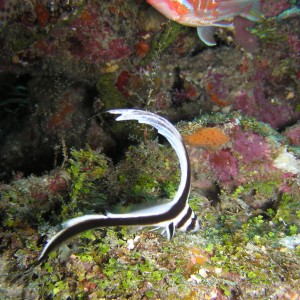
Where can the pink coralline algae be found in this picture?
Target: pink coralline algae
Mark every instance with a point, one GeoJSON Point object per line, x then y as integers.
{"type": "Point", "coordinates": [85, 42]}
{"type": "Point", "coordinates": [84, 36]}
{"type": "Point", "coordinates": [274, 7]}
{"type": "Point", "coordinates": [248, 158]}
{"type": "Point", "coordinates": [251, 146]}
{"type": "Point", "coordinates": [293, 134]}
{"type": "Point", "coordinates": [216, 88]}
{"type": "Point", "coordinates": [294, 43]}
{"type": "Point", "coordinates": [275, 112]}
{"type": "Point", "coordinates": [225, 166]}
{"type": "Point", "coordinates": [249, 154]}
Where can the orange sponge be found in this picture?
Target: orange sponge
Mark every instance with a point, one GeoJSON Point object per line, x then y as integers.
{"type": "Point", "coordinates": [210, 138]}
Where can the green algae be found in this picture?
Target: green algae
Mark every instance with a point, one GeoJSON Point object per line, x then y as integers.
{"type": "Point", "coordinates": [102, 264]}
{"type": "Point", "coordinates": [85, 165]}
{"type": "Point", "coordinates": [110, 95]}
{"type": "Point", "coordinates": [26, 201]}
{"type": "Point", "coordinates": [149, 172]}
{"type": "Point", "coordinates": [265, 189]}
{"type": "Point", "coordinates": [287, 213]}
{"type": "Point", "coordinates": [163, 41]}
{"type": "Point", "coordinates": [117, 273]}
{"type": "Point", "coordinates": [286, 67]}
{"type": "Point", "coordinates": [22, 40]}
{"type": "Point", "coordinates": [243, 250]}
{"type": "Point", "coordinates": [267, 31]}
{"type": "Point", "coordinates": [87, 170]}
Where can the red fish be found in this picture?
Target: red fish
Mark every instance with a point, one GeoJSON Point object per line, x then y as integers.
{"type": "Point", "coordinates": [207, 14]}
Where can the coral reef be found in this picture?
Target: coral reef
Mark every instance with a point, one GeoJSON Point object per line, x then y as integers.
{"type": "Point", "coordinates": [62, 65]}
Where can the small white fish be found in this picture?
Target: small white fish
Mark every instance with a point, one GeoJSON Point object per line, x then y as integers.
{"type": "Point", "coordinates": [176, 214]}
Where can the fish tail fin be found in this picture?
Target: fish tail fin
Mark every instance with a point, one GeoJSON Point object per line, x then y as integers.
{"type": "Point", "coordinates": [253, 14]}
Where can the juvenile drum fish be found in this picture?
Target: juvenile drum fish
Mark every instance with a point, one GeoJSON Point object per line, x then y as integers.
{"type": "Point", "coordinates": [170, 216]}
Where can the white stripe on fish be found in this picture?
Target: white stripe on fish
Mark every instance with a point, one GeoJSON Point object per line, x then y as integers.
{"type": "Point", "coordinates": [176, 214]}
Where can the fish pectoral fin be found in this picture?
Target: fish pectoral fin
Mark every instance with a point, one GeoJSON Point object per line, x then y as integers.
{"type": "Point", "coordinates": [157, 228]}
{"type": "Point", "coordinates": [170, 231]}
{"type": "Point", "coordinates": [223, 23]}
{"type": "Point", "coordinates": [206, 35]}
{"type": "Point", "coordinates": [134, 229]}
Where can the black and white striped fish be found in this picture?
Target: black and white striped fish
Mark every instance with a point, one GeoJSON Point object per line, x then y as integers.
{"type": "Point", "coordinates": [176, 214]}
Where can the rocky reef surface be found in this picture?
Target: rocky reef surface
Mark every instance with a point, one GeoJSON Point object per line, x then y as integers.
{"type": "Point", "coordinates": [62, 65]}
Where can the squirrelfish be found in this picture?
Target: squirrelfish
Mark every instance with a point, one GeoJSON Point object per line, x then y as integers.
{"type": "Point", "coordinates": [170, 216]}
{"type": "Point", "coordinates": [207, 14]}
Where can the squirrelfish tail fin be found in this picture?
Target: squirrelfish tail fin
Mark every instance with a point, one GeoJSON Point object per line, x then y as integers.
{"type": "Point", "coordinates": [253, 14]}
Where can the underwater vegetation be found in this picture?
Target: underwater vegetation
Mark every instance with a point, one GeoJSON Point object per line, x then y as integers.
{"type": "Point", "coordinates": [63, 64]}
